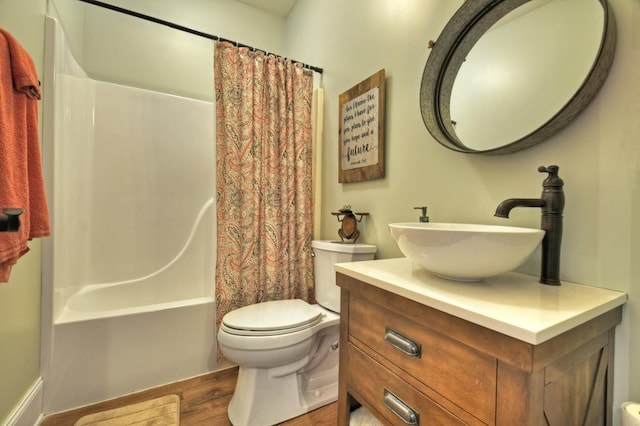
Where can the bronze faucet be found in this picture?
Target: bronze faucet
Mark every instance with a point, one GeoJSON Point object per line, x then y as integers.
{"type": "Point", "coordinates": [552, 203]}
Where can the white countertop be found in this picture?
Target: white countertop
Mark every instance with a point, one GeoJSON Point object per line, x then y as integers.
{"type": "Point", "coordinates": [513, 304]}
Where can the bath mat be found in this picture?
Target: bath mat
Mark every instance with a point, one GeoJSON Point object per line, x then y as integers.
{"type": "Point", "coordinates": [164, 411]}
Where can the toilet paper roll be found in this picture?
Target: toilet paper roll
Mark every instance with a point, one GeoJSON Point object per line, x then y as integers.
{"type": "Point", "coordinates": [631, 414]}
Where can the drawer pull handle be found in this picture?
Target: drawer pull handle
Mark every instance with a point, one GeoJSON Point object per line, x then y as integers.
{"type": "Point", "coordinates": [402, 343]}
{"type": "Point", "coordinates": [400, 408]}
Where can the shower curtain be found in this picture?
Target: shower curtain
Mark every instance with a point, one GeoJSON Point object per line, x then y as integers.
{"type": "Point", "coordinates": [264, 186]}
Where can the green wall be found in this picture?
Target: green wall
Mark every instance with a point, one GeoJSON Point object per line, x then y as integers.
{"type": "Point", "coordinates": [20, 297]}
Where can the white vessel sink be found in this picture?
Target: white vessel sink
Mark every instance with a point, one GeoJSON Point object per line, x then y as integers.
{"type": "Point", "coordinates": [465, 252]}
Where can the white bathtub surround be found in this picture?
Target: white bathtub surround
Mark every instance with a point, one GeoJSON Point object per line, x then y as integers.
{"type": "Point", "coordinates": [129, 276]}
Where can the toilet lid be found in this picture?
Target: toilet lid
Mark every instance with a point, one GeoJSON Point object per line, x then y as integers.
{"type": "Point", "coordinates": [271, 318]}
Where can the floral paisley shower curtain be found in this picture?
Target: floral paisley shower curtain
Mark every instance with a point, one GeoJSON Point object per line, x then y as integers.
{"type": "Point", "coordinates": [264, 187]}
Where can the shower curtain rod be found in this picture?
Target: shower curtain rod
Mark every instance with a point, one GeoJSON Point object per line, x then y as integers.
{"type": "Point", "coordinates": [184, 29]}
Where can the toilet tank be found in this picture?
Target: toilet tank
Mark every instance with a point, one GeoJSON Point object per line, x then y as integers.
{"type": "Point", "coordinates": [326, 254]}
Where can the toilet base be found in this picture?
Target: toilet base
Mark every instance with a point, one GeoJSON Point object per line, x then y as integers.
{"type": "Point", "coordinates": [267, 396]}
{"type": "Point", "coordinates": [249, 407]}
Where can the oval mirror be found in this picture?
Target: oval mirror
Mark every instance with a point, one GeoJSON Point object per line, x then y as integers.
{"type": "Point", "coordinates": [507, 74]}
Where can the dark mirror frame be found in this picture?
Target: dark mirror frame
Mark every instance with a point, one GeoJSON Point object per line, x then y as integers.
{"type": "Point", "coordinates": [459, 36]}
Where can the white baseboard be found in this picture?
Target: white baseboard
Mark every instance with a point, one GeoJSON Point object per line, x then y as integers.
{"type": "Point", "coordinates": [29, 411]}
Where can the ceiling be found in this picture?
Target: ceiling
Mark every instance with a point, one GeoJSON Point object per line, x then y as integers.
{"type": "Point", "coordinates": [276, 7]}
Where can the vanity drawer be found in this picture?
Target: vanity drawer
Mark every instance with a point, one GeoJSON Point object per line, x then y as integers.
{"type": "Point", "coordinates": [389, 394]}
{"type": "Point", "coordinates": [461, 374]}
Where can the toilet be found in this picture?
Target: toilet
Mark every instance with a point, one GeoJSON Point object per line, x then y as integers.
{"type": "Point", "coordinates": [287, 350]}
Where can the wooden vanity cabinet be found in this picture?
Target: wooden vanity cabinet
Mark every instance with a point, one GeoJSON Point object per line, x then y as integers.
{"type": "Point", "coordinates": [436, 369]}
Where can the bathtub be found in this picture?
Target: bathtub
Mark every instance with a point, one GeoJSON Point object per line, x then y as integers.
{"type": "Point", "coordinates": [128, 275]}
{"type": "Point", "coordinates": [128, 350]}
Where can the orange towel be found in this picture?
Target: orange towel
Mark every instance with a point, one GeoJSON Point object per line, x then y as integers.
{"type": "Point", "coordinates": [21, 182]}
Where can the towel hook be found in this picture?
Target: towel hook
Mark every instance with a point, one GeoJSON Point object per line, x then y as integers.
{"type": "Point", "coordinates": [10, 220]}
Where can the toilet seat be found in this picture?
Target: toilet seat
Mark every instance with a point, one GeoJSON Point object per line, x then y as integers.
{"type": "Point", "coordinates": [272, 318]}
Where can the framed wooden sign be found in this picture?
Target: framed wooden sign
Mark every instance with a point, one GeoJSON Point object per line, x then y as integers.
{"type": "Point", "coordinates": [361, 133]}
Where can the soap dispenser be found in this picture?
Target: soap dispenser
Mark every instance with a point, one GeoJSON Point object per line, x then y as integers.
{"type": "Point", "coordinates": [423, 217]}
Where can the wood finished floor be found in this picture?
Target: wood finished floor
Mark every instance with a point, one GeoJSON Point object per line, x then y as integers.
{"type": "Point", "coordinates": [203, 401]}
